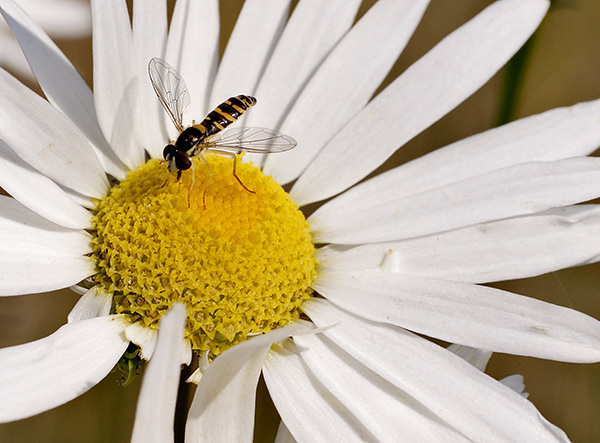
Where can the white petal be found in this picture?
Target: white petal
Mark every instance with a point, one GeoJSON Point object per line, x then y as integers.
{"type": "Point", "coordinates": [64, 19]}
{"type": "Point", "coordinates": [74, 22]}
{"type": "Point", "coordinates": [425, 92]}
{"type": "Point", "coordinates": [82, 200]}
{"type": "Point", "coordinates": [144, 337]}
{"type": "Point", "coordinates": [46, 373]}
{"type": "Point", "coordinates": [501, 250]}
{"type": "Point", "coordinates": [47, 140]}
{"type": "Point", "coordinates": [472, 315]}
{"type": "Point", "coordinates": [515, 190]}
{"type": "Point", "coordinates": [249, 48]}
{"type": "Point", "coordinates": [11, 57]}
{"type": "Point", "coordinates": [150, 40]}
{"type": "Point", "coordinates": [386, 411]}
{"type": "Point", "coordinates": [156, 404]}
{"type": "Point", "coordinates": [202, 367]}
{"type": "Point", "coordinates": [196, 377]}
{"type": "Point", "coordinates": [38, 192]}
{"type": "Point", "coordinates": [79, 290]}
{"type": "Point", "coordinates": [223, 405]}
{"type": "Point", "coordinates": [552, 135]}
{"type": "Point", "coordinates": [193, 49]}
{"type": "Point", "coordinates": [28, 266]}
{"type": "Point", "coordinates": [467, 399]}
{"type": "Point", "coordinates": [28, 269]}
{"type": "Point", "coordinates": [283, 434]}
{"type": "Point", "coordinates": [328, 252]}
{"type": "Point", "coordinates": [516, 383]}
{"type": "Point", "coordinates": [21, 224]}
{"type": "Point", "coordinates": [314, 28]}
{"type": "Point", "coordinates": [350, 75]}
{"type": "Point", "coordinates": [477, 357]}
{"type": "Point", "coordinates": [391, 261]}
{"type": "Point", "coordinates": [302, 401]}
{"type": "Point", "coordinates": [94, 303]}
{"type": "Point", "coordinates": [61, 83]}
{"type": "Point", "coordinates": [149, 31]}
{"type": "Point", "coordinates": [116, 85]}
{"type": "Point", "coordinates": [185, 358]}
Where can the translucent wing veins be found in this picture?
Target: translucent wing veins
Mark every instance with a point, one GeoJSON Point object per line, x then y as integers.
{"type": "Point", "coordinates": [171, 90]}
{"type": "Point", "coordinates": [258, 140]}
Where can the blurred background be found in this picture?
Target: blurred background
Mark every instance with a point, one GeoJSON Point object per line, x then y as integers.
{"type": "Point", "coordinates": [561, 67]}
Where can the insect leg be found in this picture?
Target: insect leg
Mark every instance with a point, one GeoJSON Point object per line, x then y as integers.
{"type": "Point", "coordinates": [193, 175]}
{"type": "Point", "coordinates": [237, 178]}
{"type": "Point", "coordinates": [231, 154]}
{"type": "Point", "coordinates": [210, 174]}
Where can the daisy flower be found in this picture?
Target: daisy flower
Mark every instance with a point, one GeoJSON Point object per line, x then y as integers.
{"type": "Point", "coordinates": [64, 19]}
{"type": "Point", "coordinates": [95, 206]}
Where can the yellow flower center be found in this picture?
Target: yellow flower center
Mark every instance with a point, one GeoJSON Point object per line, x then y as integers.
{"type": "Point", "coordinates": [242, 262]}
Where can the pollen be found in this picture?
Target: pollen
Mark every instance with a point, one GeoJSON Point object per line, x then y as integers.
{"type": "Point", "coordinates": [241, 260]}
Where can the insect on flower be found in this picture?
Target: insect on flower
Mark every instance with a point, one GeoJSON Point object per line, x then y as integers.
{"type": "Point", "coordinates": [209, 134]}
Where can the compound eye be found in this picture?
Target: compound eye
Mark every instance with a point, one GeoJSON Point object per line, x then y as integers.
{"type": "Point", "coordinates": [169, 152]}
{"type": "Point", "coordinates": [182, 161]}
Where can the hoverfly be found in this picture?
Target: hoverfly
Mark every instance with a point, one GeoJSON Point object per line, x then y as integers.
{"type": "Point", "coordinates": [194, 140]}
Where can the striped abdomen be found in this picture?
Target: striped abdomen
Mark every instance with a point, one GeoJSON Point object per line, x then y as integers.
{"type": "Point", "coordinates": [224, 114]}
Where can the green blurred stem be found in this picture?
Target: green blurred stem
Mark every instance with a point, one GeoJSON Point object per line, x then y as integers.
{"type": "Point", "coordinates": [513, 81]}
{"type": "Point", "coordinates": [516, 66]}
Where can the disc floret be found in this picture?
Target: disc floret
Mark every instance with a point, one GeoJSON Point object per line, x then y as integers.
{"type": "Point", "coordinates": [242, 262]}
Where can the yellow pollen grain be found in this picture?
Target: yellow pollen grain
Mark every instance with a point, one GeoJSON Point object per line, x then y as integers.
{"type": "Point", "coordinates": [242, 262]}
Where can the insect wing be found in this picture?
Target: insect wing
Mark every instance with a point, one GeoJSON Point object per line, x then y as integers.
{"type": "Point", "coordinates": [258, 140]}
{"type": "Point", "coordinates": [170, 89]}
